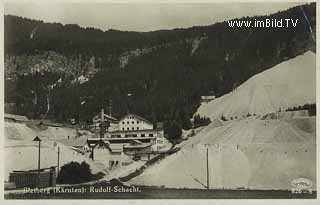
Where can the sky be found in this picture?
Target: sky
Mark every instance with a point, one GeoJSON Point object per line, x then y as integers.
{"type": "Point", "coordinates": [141, 16]}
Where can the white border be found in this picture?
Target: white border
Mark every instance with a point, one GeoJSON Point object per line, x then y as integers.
{"type": "Point", "coordinates": [153, 201]}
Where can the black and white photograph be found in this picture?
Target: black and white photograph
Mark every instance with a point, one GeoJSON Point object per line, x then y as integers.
{"type": "Point", "coordinates": [159, 100]}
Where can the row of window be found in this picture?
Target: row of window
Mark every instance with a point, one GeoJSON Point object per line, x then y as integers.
{"type": "Point", "coordinates": [133, 135]}
{"type": "Point", "coordinates": [129, 122]}
{"type": "Point", "coordinates": [131, 128]}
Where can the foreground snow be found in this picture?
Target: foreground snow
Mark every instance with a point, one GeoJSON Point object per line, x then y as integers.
{"type": "Point", "coordinates": [286, 85]}
{"type": "Point", "coordinates": [22, 153]}
{"type": "Point", "coordinates": [248, 153]}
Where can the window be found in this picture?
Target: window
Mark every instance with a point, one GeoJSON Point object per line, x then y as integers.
{"type": "Point", "coordinates": [123, 128]}
{"type": "Point", "coordinates": [150, 135]}
{"type": "Point", "coordinates": [123, 122]}
{"type": "Point", "coordinates": [137, 122]}
{"type": "Point", "coordinates": [132, 128]}
{"type": "Point", "coordinates": [132, 122]}
{"type": "Point", "coordinates": [128, 122]}
{"type": "Point", "coordinates": [143, 135]}
{"type": "Point", "coordinates": [137, 128]}
{"type": "Point", "coordinates": [128, 128]}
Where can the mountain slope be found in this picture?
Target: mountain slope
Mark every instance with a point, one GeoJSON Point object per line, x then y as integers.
{"type": "Point", "coordinates": [248, 153]}
{"type": "Point", "coordinates": [286, 85]}
{"type": "Point", "coordinates": [166, 72]}
{"type": "Point", "coordinates": [253, 152]}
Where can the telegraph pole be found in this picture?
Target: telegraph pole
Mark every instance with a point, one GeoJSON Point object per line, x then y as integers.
{"type": "Point", "coordinates": [208, 184]}
{"type": "Point", "coordinates": [92, 153]}
{"type": "Point", "coordinates": [58, 161]}
{"type": "Point", "coordinates": [37, 139]}
{"type": "Point", "coordinates": [102, 124]}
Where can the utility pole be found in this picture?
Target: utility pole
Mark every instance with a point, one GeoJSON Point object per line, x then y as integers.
{"type": "Point", "coordinates": [208, 184]}
{"type": "Point", "coordinates": [37, 139]}
{"type": "Point", "coordinates": [58, 161]}
{"type": "Point", "coordinates": [92, 153]}
{"type": "Point", "coordinates": [102, 124]}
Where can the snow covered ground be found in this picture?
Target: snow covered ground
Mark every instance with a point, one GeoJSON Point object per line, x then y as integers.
{"type": "Point", "coordinates": [287, 84]}
{"type": "Point", "coordinates": [22, 153]}
{"type": "Point", "coordinates": [247, 153]}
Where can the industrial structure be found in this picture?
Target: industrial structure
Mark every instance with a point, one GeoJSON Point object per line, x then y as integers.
{"type": "Point", "coordinates": [131, 138]}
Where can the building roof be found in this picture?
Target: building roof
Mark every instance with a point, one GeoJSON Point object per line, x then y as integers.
{"type": "Point", "coordinates": [77, 142]}
{"type": "Point", "coordinates": [106, 140]}
{"type": "Point", "coordinates": [137, 116]}
{"type": "Point", "coordinates": [208, 97]}
{"type": "Point", "coordinates": [132, 131]}
{"type": "Point", "coordinates": [97, 118]}
{"type": "Point", "coordinates": [16, 117]}
{"type": "Point", "coordinates": [137, 146]}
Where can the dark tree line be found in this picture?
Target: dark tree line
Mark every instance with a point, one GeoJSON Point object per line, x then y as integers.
{"type": "Point", "coordinates": [199, 121]}
{"type": "Point", "coordinates": [312, 109]}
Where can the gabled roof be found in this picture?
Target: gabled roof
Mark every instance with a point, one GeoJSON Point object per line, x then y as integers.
{"type": "Point", "coordinates": [136, 116]}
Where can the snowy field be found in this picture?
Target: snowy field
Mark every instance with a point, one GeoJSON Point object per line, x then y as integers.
{"type": "Point", "coordinates": [248, 153]}
{"type": "Point", "coordinates": [22, 153]}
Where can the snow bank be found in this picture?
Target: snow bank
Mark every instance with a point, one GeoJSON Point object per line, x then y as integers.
{"type": "Point", "coordinates": [28, 132]}
{"type": "Point", "coordinates": [286, 85]}
{"type": "Point", "coordinates": [22, 153]}
{"type": "Point", "coordinates": [55, 133]}
{"type": "Point", "coordinates": [124, 170]}
{"type": "Point", "coordinates": [17, 131]}
{"type": "Point", "coordinates": [250, 153]}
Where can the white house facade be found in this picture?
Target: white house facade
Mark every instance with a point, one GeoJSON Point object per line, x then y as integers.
{"type": "Point", "coordinates": [132, 122]}
{"type": "Point", "coordinates": [130, 138]}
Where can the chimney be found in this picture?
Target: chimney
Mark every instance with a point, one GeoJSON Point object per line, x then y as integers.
{"type": "Point", "coordinates": [110, 107]}
{"type": "Point", "coordinates": [102, 115]}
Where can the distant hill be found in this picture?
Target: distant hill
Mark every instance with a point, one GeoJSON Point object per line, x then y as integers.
{"type": "Point", "coordinates": [287, 85]}
{"type": "Point", "coordinates": [166, 71]}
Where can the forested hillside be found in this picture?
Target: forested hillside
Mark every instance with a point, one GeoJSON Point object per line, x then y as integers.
{"type": "Point", "coordinates": [64, 71]}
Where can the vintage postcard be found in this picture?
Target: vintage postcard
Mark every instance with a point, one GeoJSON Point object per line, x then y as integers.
{"type": "Point", "coordinates": [159, 100]}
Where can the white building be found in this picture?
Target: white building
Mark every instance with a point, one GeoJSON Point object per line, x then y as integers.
{"type": "Point", "coordinates": [133, 122]}
{"type": "Point", "coordinates": [207, 98]}
{"type": "Point", "coordinates": [136, 136]}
